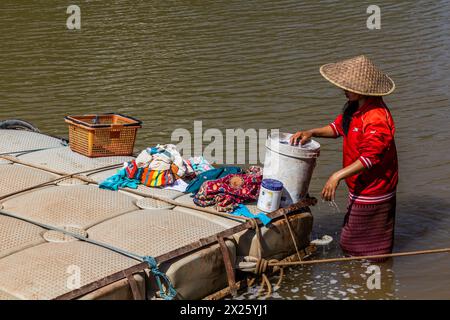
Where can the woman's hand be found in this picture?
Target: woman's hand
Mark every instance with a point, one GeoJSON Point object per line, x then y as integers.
{"type": "Point", "coordinates": [329, 190]}
{"type": "Point", "coordinates": [300, 137]}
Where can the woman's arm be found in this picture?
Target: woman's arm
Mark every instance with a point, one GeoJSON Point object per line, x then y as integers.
{"type": "Point", "coordinates": [303, 136]}
{"type": "Point", "coordinates": [329, 190]}
{"type": "Point", "coordinates": [324, 132]}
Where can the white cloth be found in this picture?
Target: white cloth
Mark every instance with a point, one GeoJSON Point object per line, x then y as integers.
{"type": "Point", "coordinates": [178, 185]}
{"type": "Point", "coordinates": [143, 159]}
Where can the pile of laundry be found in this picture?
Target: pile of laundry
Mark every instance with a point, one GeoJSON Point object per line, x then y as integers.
{"type": "Point", "coordinates": [162, 166]}
{"type": "Point", "coordinates": [226, 193]}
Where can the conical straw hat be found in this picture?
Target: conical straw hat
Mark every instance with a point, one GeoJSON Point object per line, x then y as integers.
{"type": "Point", "coordinates": [358, 75]}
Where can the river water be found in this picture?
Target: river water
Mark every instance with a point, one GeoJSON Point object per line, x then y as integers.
{"type": "Point", "coordinates": [253, 64]}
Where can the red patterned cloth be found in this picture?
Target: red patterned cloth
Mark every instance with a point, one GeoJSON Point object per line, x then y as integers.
{"type": "Point", "coordinates": [369, 228]}
{"type": "Point", "coordinates": [228, 192]}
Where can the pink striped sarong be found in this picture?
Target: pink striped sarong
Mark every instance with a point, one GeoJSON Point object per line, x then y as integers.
{"type": "Point", "coordinates": [369, 228]}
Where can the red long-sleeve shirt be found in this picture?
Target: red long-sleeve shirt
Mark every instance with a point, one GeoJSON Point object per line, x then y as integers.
{"type": "Point", "coordinates": [370, 139]}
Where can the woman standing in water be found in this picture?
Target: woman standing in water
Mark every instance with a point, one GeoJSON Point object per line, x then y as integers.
{"type": "Point", "coordinates": [370, 166]}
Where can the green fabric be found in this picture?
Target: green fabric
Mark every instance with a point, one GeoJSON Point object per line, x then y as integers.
{"type": "Point", "coordinates": [212, 174]}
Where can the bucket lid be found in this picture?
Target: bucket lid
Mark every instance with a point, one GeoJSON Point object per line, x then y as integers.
{"type": "Point", "coordinates": [279, 143]}
{"type": "Point", "coordinates": [272, 184]}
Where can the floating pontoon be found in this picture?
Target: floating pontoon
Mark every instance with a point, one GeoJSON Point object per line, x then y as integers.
{"type": "Point", "coordinates": [50, 202]}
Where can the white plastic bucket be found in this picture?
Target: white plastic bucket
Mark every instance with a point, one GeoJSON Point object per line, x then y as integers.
{"type": "Point", "coordinates": [292, 165]}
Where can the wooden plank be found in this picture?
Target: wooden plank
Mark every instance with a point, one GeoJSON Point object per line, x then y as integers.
{"type": "Point", "coordinates": [134, 286]}
{"type": "Point", "coordinates": [228, 266]}
{"type": "Point", "coordinates": [77, 293]}
{"type": "Point", "coordinates": [225, 292]}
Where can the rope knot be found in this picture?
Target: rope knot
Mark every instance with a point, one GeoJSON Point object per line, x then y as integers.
{"type": "Point", "coordinates": [261, 266]}
{"type": "Point", "coordinates": [171, 292]}
{"type": "Point", "coordinates": [152, 263]}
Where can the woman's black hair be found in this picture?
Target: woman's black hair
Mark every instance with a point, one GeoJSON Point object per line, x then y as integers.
{"type": "Point", "coordinates": [349, 109]}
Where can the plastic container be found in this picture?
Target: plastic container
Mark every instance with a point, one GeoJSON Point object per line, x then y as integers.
{"type": "Point", "coordinates": [102, 135]}
{"type": "Point", "coordinates": [292, 165]}
{"type": "Point", "coordinates": [270, 195]}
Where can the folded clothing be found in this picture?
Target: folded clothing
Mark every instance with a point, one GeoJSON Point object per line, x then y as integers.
{"type": "Point", "coordinates": [226, 193]}
{"type": "Point", "coordinates": [162, 158]}
{"type": "Point", "coordinates": [161, 166]}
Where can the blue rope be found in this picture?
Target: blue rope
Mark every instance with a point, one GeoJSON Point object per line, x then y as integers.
{"type": "Point", "coordinates": [158, 275]}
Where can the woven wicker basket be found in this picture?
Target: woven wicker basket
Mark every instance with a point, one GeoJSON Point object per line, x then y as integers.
{"type": "Point", "coordinates": [102, 135]}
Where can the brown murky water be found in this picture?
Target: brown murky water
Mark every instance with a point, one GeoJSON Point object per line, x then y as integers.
{"type": "Point", "coordinates": [253, 64]}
